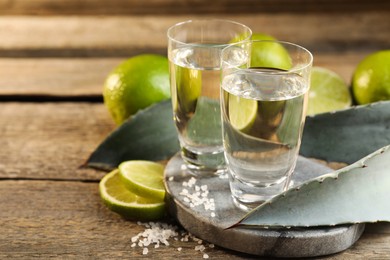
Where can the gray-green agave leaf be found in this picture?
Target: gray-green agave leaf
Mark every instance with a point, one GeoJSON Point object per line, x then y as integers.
{"type": "Point", "coordinates": [149, 135]}
{"type": "Point", "coordinates": [347, 135]}
{"type": "Point", "coordinates": [357, 193]}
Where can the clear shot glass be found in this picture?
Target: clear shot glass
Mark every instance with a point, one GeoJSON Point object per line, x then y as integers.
{"type": "Point", "coordinates": [194, 50]}
{"type": "Point", "coordinates": [263, 103]}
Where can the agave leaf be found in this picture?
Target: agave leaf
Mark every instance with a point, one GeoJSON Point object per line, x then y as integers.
{"type": "Point", "coordinates": [347, 135]}
{"type": "Point", "coordinates": [343, 136]}
{"type": "Point", "coordinates": [149, 135]}
{"type": "Point", "coordinates": [355, 194]}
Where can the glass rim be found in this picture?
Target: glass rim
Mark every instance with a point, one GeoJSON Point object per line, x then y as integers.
{"type": "Point", "coordinates": [281, 72]}
{"type": "Point", "coordinates": [171, 38]}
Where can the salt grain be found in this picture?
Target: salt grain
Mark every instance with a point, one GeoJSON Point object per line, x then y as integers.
{"type": "Point", "coordinates": [205, 256]}
{"type": "Point", "coordinates": [145, 251]}
{"type": "Point", "coordinates": [200, 248]}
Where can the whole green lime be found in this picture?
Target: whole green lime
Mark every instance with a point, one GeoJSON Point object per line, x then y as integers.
{"type": "Point", "coordinates": [136, 84]}
{"type": "Point", "coordinates": [371, 79]}
{"type": "Point", "coordinates": [269, 54]}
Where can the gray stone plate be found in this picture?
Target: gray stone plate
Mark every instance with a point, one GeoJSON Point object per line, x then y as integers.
{"type": "Point", "coordinates": [210, 225]}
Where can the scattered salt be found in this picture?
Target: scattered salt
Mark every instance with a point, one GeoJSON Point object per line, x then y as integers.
{"type": "Point", "coordinates": [199, 196]}
{"type": "Point", "coordinates": [158, 234]}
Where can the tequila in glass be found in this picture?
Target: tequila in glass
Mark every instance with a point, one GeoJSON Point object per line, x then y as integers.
{"type": "Point", "coordinates": [263, 114]}
{"type": "Point", "coordinates": [195, 73]}
{"type": "Point", "coordinates": [194, 51]}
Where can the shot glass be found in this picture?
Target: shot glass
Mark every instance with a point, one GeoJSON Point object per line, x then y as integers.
{"type": "Point", "coordinates": [263, 103]}
{"type": "Point", "coordinates": [194, 49]}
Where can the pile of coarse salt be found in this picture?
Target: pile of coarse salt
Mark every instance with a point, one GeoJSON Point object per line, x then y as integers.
{"type": "Point", "coordinates": [157, 234]}
{"type": "Point", "coordinates": [199, 195]}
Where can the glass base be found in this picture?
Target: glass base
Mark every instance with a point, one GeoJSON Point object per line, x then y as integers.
{"type": "Point", "coordinates": [248, 196]}
{"type": "Point", "coordinates": [202, 163]}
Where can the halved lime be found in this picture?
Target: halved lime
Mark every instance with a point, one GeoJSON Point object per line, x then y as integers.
{"type": "Point", "coordinates": [328, 92]}
{"type": "Point", "coordinates": [144, 178]}
{"type": "Point", "coordinates": [242, 112]}
{"type": "Point", "coordinates": [119, 199]}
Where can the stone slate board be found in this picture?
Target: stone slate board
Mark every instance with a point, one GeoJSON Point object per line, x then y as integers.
{"type": "Point", "coordinates": [282, 242]}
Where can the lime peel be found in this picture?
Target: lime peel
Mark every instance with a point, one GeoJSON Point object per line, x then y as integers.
{"type": "Point", "coordinates": [371, 78]}
{"type": "Point", "coordinates": [135, 84]}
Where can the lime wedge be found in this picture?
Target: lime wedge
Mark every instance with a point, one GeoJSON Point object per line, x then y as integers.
{"type": "Point", "coordinates": [119, 199]}
{"type": "Point", "coordinates": [144, 178]}
{"type": "Point", "coordinates": [328, 92]}
{"type": "Point", "coordinates": [189, 87]}
{"type": "Point", "coordinates": [242, 112]}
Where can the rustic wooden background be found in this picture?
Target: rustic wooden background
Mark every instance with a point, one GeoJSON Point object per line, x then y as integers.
{"type": "Point", "coordinates": [54, 56]}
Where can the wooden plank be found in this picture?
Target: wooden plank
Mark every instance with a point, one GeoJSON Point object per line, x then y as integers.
{"type": "Point", "coordinates": [93, 7]}
{"type": "Point", "coordinates": [55, 77]}
{"type": "Point", "coordinates": [76, 77]}
{"type": "Point", "coordinates": [50, 140]}
{"type": "Point", "coordinates": [62, 219]}
{"type": "Point", "coordinates": [89, 36]}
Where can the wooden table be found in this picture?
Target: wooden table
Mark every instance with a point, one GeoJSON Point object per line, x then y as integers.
{"type": "Point", "coordinates": [54, 57]}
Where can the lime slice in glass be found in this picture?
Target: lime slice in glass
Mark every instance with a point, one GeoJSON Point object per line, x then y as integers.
{"type": "Point", "coordinates": [119, 199]}
{"type": "Point", "coordinates": [328, 92]}
{"type": "Point", "coordinates": [242, 112]}
{"type": "Point", "coordinates": [144, 178]}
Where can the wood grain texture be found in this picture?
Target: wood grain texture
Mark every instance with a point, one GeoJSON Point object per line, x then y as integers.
{"type": "Point", "coordinates": [50, 140]}
{"type": "Point", "coordinates": [42, 219]}
{"type": "Point", "coordinates": [50, 208]}
{"type": "Point", "coordinates": [55, 76]}
{"type": "Point", "coordinates": [66, 220]}
{"type": "Point", "coordinates": [122, 7]}
{"type": "Point", "coordinates": [93, 36]}
{"type": "Point", "coordinates": [78, 77]}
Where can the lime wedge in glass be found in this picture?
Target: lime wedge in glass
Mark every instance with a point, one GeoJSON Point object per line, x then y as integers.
{"type": "Point", "coordinates": [131, 206]}
{"type": "Point", "coordinates": [242, 112]}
